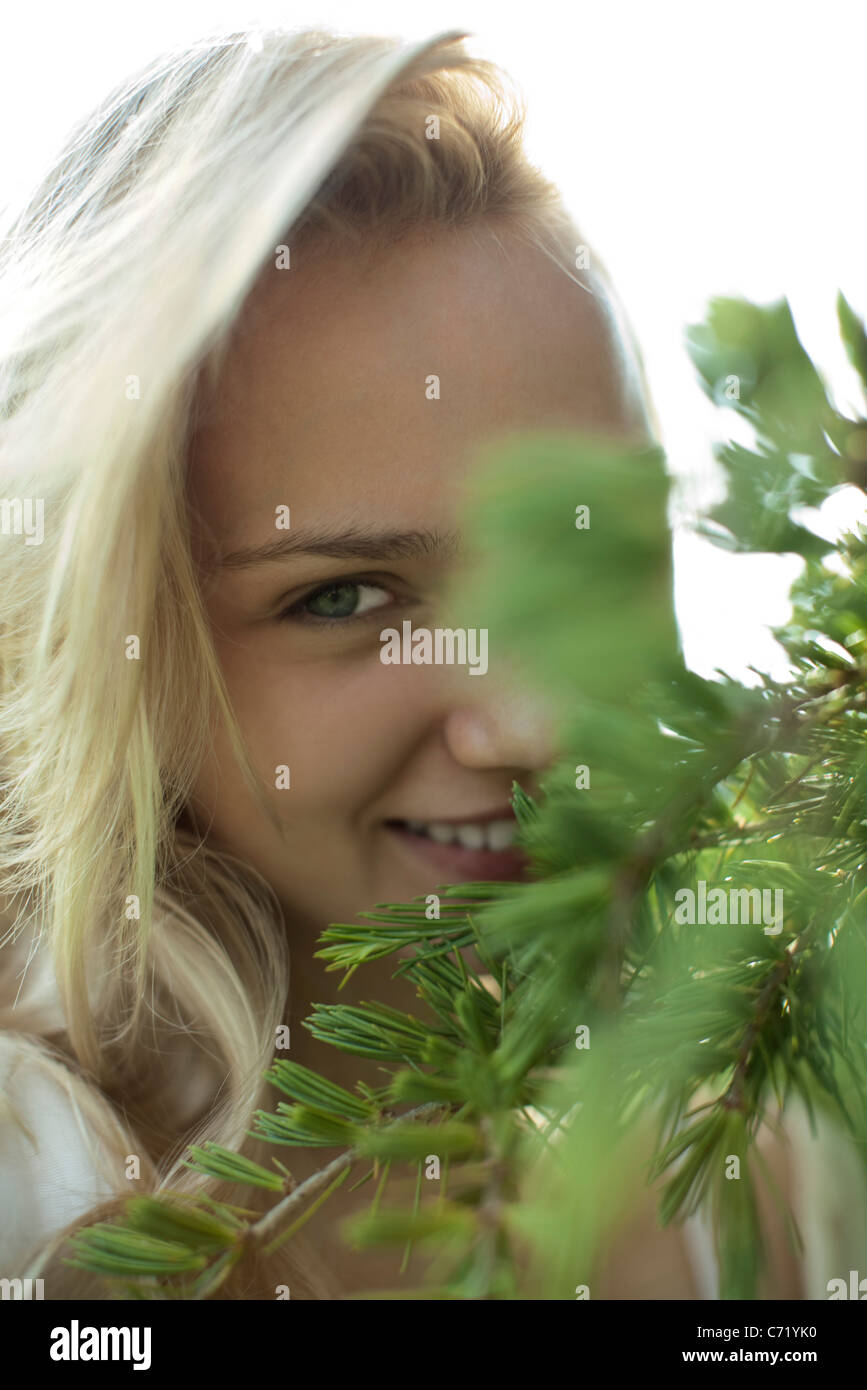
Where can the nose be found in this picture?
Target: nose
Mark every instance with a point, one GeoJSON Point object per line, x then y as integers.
{"type": "Point", "coordinates": [510, 729]}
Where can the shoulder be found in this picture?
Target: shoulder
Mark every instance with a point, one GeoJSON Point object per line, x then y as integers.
{"type": "Point", "coordinates": [60, 1149]}
{"type": "Point", "coordinates": [811, 1195]}
{"type": "Point", "coordinates": [829, 1197]}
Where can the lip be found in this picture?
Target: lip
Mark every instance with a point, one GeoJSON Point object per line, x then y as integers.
{"type": "Point", "coordinates": [460, 865]}
{"type": "Point", "coordinates": [482, 818]}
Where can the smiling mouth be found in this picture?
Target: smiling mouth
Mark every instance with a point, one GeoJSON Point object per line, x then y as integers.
{"type": "Point", "coordinates": [493, 835]}
{"type": "Point", "coordinates": [465, 849]}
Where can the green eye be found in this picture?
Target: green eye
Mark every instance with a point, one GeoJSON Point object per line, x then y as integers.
{"type": "Point", "coordinates": [337, 601]}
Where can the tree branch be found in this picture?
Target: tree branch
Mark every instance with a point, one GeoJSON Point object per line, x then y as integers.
{"type": "Point", "coordinates": [288, 1204]}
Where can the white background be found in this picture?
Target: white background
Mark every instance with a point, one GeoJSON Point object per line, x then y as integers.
{"type": "Point", "coordinates": [705, 149]}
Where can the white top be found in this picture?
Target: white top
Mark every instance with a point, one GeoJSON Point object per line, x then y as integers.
{"type": "Point", "coordinates": [50, 1171]}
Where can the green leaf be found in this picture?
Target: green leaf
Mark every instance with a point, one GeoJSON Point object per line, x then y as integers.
{"type": "Point", "coordinates": [854, 336]}
{"type": "Point", "coordinates": [586, 612]}
{"type": "Point", "coordinates": [302, 1084]}
{"type": "Point", "coordinates": [110, 1249]}
{"type": "Point", "coordinates": [412, 1142]}
{"type": "Point", "coordinates": [217, 1162]}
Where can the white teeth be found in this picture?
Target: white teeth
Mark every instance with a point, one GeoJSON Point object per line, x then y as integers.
{"type": "Point", "coordinates": [501, 834]}
{"type": "Point", "coordinates": [471, 836]}
{"type": "Point", "coordinates": [493, 835]}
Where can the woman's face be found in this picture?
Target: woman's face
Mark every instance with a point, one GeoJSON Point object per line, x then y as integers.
{"type": "Point", "coordinates": [399, 775]}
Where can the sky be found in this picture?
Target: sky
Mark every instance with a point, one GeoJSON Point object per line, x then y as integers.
{"type": "Point", "coordinates": [704, 150]}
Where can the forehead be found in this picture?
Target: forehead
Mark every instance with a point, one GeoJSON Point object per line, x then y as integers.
{"type": "Point", "coordinates": [360, 382]}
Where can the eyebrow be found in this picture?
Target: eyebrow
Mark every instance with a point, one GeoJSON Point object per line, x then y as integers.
{"type": "Point", "coordinates": [353, 544]}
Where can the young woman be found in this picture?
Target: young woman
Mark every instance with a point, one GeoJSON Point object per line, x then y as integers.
{"type": "Point", "coordinates": [257, 320]}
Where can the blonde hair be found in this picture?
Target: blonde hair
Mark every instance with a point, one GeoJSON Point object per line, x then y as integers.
{"type": "Point", "coordinates": [131, 263]}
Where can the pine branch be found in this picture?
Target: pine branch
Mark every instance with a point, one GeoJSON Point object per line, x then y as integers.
{"type": "Point", "coordinates": [314, 1184]}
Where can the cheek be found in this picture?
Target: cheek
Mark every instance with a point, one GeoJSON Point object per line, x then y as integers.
{"type": "Point", "coordinates": [345, 730]}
